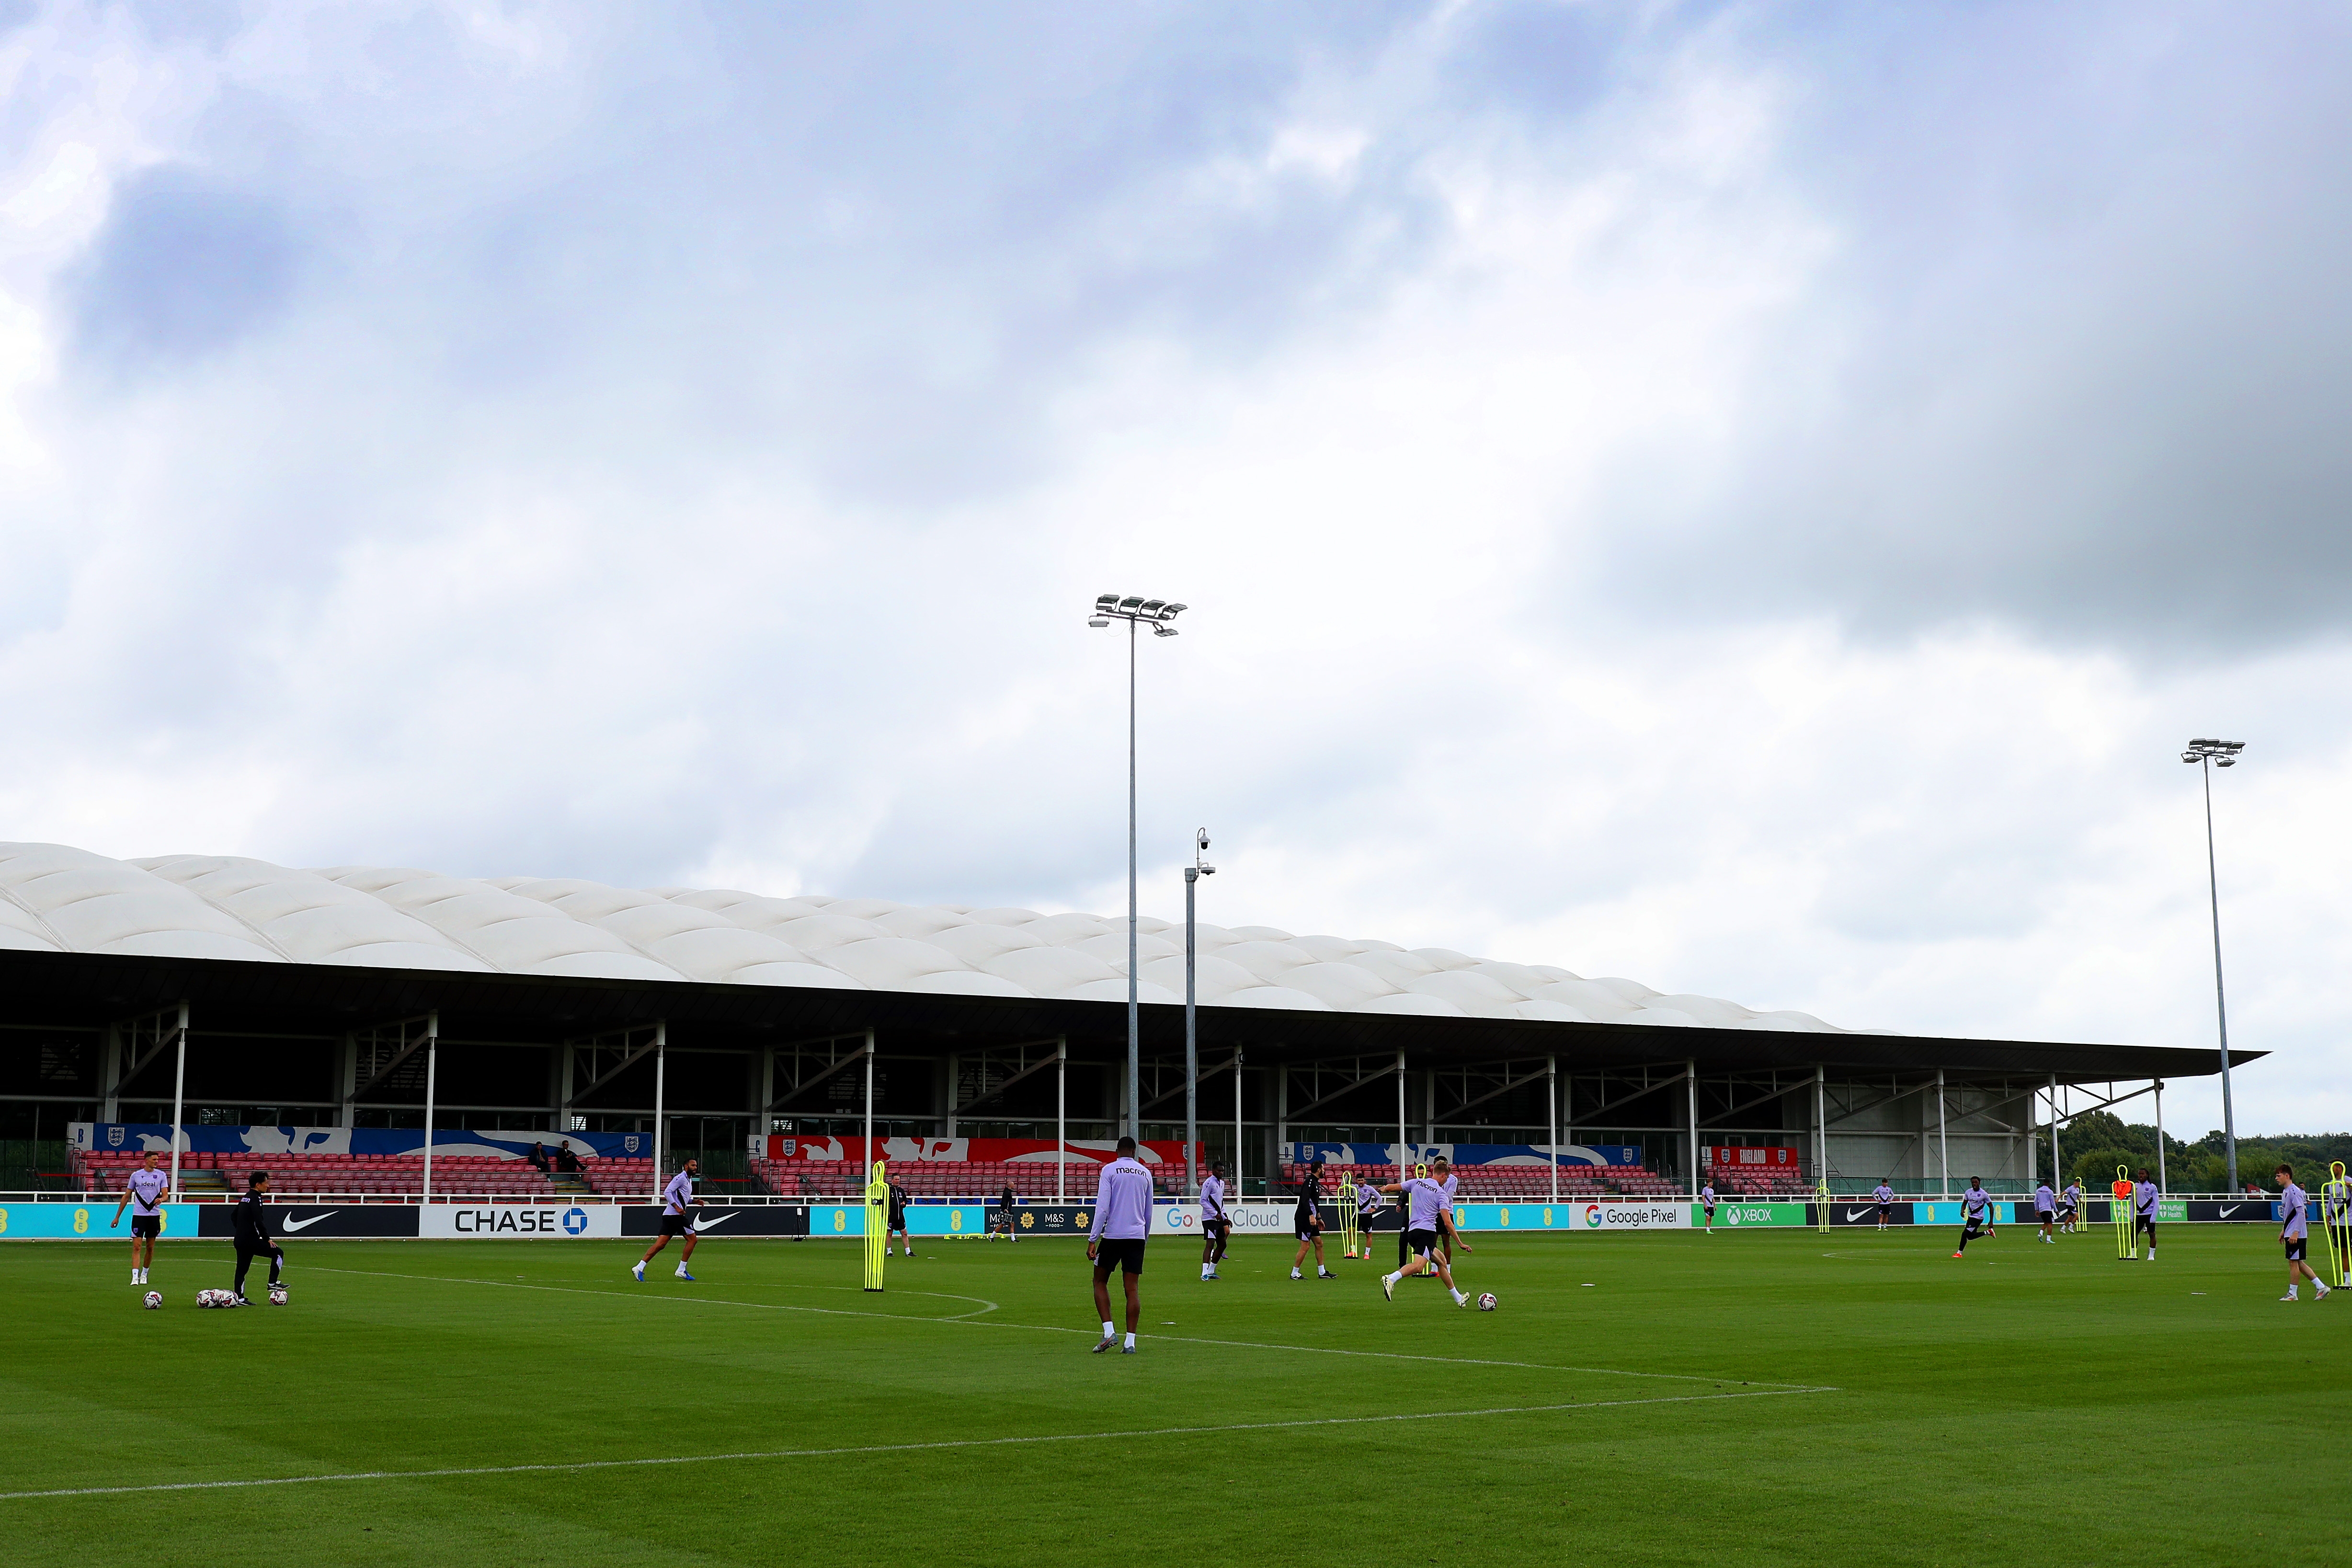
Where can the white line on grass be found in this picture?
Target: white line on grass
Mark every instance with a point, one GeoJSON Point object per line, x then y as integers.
{"type": "Point", "coordinates": [902, 1447]}
{"type": "Point", "coordinates": [971, 1321]}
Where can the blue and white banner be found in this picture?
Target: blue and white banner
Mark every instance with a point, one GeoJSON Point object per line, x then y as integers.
{"type": "Point", "coordinates": [1537, 1154]}
{"type": "Point", "coordinates": [519, 1222]}
{"type": "Point", "coordinates": [138, 1137]}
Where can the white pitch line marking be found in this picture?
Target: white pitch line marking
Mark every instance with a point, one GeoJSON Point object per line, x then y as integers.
{"type": "Point", "coordinates": [902, 1447]}
{"type": "Point", "coordinates": [970, 1320]}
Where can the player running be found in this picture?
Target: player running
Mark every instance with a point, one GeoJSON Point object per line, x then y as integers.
{"type": "Point", "coordinates": [2070, 1205]}
{"type": "Point", "coordinates": [1122, 1225]}
{"type": "Point", "coordinates": [2045, 1209]}
{"type": "Point", "coordinates": [895, 1224]}
{"type": "Point", "coordinates": [1425, 1215]}
{"type": "Point", "coordinates": [1217, 1225]}
{"type": "Point", "coordinates": [1707, 1202]}
{"type": "Point", "coordinates": [2296, 1234]}
{"type": "Point", "coordinates": [251, 1220]}
{"type": "Point", "coordinates": [1307, 1225]}
{"type": "Point", "coordinates": [2144, 1212]}
{"type": "Point", "coordinates": [1883, 1196]}
{"type": "Point", "coordinates": [145, 1193]}
{"type": "Point", "coordinates": [678, 1203]}
{"type": "Point", "coordinates": [1976, 1208]}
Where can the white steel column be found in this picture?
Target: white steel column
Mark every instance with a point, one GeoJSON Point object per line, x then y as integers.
{"type": "Point", "coordinates": [1061, 1116]}
{"type": "Point", "coordinates": [2057, 1167]}
{"type": "Point", "coordinates": [2160, 1186]}
{"type": "Point", "coordinates": [110, 1079]}
{"type": "Point", "coordinates": [179, 1098]}
{"type": "Point", "coordinates": [1690, 1087]}
{"type": "Point", "coordinates": [432, 1061]}
{"type": "Point", "coordinates": [1401, 1149]}
{"type": "Point", "coordinates": [1943, 1140]}
{"type": "Point", "coordinates": [661, 1096]}
{"type": "Point", "coordinates": [1551, 1107]}
{"type": "Point", "coordinates": [1237, 1121]}
{"type": "Point", "coordinates": [1821, 1126]}
{"type": "Point", "coordinates": [867, 1168]}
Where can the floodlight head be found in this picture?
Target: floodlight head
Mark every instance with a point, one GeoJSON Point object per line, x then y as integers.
{"type": "Point", "coordinates": [1208, 870]}
{"type": "Point", "coordinates": [1153, 607]}
{"type": "Point", "coordinates": [1172, 611]}
{"type": "Point", "coordinates": [2185, 756]}
{"type": "Point", "coordinates": [1163, 631]}
{"type": "Point", "coordinates": [1098, 621]}
{"type": "Point", "coordinates": [2225, 762]}
{"type": "Point", "coordinates": [1133, 602]}
{"type": "Point", "coordinates": [1105, 599]}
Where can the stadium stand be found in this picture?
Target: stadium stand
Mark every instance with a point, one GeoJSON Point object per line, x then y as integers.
{"type": "Point", "coordinates": [1514, 1183]}
{"type": "Point", "coordinates": [381, 1177]}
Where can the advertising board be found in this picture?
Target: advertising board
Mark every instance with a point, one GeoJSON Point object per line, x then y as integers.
{"type": "Point", "coordinates": [85, 1222]}
{"type": "Point", "coordinates": [511, 1222]}
{"type": "Point", "coordinates": [292, 1221]}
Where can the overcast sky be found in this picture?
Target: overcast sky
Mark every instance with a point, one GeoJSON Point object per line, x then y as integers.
{"type": "Point", "coordinates": [1748, 497]}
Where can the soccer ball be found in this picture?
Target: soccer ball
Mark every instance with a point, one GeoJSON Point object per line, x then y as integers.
{"type": "Point", "coordinates": [155, 1300]}
{"type": "Point", "coordinates": [1487, 1302]}
{"type": "Point", "coordinates": [278, 1295]}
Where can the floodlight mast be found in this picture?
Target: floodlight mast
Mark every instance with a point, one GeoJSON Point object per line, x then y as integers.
{"type": "Point", "coordinates": [1192, 874]}
{"type": "Point", "coordinates": [1135, 610]}
{"type": "Point", "coordinates": [2208, 755]}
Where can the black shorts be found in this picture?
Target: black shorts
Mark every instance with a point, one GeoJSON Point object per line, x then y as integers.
{"type": "Point", "coordinates": [2295, 1248]}
{"type": "Point", "coordinates": [1307, 1226]}
{"type": "Point", "coordinates": [897, 1220]}
{"type": "Point", "coordinates": [1885, 1209]}
{"type": "Point", "coordinates": [1420, 1242]}
{"type": "Point", "coordinates": [1216, 1227]}
{"type": "Point", "coordinates": [2067, 1210]}
{"type": "Point", "coordinates": [1976, 1227]}
{"type": "Point", "coordinates": [1709, 1208]}
{"type": "Point", "coordinates": [678, 1224]}
{"type": "Point", "coordinates": [2045, 1216]}
{"type": "Point", "coordinates": [1125, 1255]}
{"type": "Point", "coordinates": [2146, 1222]}
{"type": "Point", "coordinates": [147, 1225]}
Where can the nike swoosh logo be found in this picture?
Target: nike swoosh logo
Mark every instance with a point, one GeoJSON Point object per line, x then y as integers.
{"type": "Point", "coordinates": [302, 1224]}
{"type": "Point", "coordinates": [2232, 1209]}
{"type": "Point", "coordinates": [703, 1225]}
{"type": "Point", "coordinates": [1852, 1215]}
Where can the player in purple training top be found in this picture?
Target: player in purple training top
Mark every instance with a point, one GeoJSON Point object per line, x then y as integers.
{"type": "Point", "coordinates": [1426, 1202]}
{"type": "Point", "coordinates": [1122, 1225]}
{"type": "Point", "coordinates": [2297, 1233]}
{"type": "Point", "coordinates": [145, 1193]}
{"type": "Point", "coordinates": [677, 1219]}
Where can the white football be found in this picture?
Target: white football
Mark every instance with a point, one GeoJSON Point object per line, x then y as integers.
{"type": "Point", "coordinates": [155, 1300]}
{"type": "Point", "coordinates": [1487, 1302]}
{"type": "Point", "coordinates": [278, 1296]}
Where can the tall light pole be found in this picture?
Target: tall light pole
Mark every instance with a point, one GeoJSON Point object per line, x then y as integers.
{"type": "Point", "coordinates": [1136, 611]}
{"type": "Point", "coordinates": [2208, 755]}
{"type": "Point", "coordinates": [1192, 874]}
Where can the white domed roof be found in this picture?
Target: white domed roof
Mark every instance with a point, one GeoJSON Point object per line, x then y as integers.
{"type": "Point", "coordinates": [56, 899]}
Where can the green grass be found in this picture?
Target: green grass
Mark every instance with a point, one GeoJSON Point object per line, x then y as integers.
{"type": "Point", "coordinates": [2030, 1404]}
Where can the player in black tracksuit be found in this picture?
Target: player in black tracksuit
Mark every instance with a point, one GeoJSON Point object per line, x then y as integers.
{"type": "Point", "coordinates": [251, 1215]}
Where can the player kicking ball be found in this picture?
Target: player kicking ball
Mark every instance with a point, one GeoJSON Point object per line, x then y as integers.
{"type": "Point", "coordinates": [1424, 1206]}
{"type": "Point", "coordinates": [677, 1219]}
{"type": "Point", "coordinates": [145, 1193]}
{"type": "Point", "coordinates": [1976, 1209]}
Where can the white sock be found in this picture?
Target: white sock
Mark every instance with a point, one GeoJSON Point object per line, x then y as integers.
{"type": "Point", "coordinates": [1109, 1330]}
{"type": "Point", "coordinates": [1460, 1297]}
{"type": "Point", "coordinates": [1131, 1341]}
{"type": "Point", "coordinates": [1392, 1278]}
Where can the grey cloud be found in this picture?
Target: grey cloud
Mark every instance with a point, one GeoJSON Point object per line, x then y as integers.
{"type": "Point", "coordinates": [2078, 367]}
{"type": "Point", "coordinates": [181, 269]}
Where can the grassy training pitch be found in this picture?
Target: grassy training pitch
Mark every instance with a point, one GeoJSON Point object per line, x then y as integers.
{"type": "Point", "coordinates": [1761, 1398]}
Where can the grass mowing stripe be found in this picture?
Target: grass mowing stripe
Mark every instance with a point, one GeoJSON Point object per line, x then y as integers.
{"type": "Point", "coordinates": [906, 1448]}
{"type": "Point", "coordinates": [969, 1319]}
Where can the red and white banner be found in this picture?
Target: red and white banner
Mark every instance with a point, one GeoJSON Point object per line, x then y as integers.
{"type": "Point", "coordinates": [967, 1150]}
{"type": "Point", "coordinates": [1778, 1159]}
